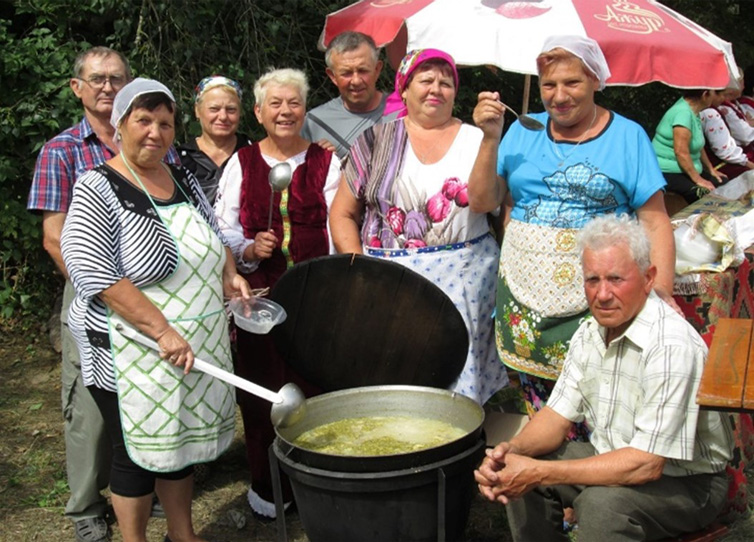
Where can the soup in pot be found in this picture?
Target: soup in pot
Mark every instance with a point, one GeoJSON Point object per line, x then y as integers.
{"type": "Point", "coordinates": [378, 435]}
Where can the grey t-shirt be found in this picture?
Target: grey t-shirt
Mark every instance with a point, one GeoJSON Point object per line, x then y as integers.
{"type": "Point", "coordinates": [346, 124]}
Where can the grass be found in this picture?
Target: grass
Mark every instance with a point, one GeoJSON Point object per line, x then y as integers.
{"type": "Point", "coordinates": [32, 464]}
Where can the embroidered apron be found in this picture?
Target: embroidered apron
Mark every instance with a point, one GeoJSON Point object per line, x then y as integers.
{"type": "Point", "coordinates": [540, 298]}
{"type": "Point", "coordinates": [171, 420]}
{"type": "Point", "coordinates": [543, 269]}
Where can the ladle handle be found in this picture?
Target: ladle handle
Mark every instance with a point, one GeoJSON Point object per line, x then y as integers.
{"type": "Point", "coordinates": [207, 368]}
{"type": "Point", "coordinates": [509, 108]}
{"type": "Point", "coordinates": [272, 200]}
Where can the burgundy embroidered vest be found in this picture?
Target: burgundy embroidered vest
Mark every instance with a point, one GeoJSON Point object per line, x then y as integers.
{"type": "Point", "coordinates": [736, 109]}
{"type": "Point", "coordinates": [307, 210]}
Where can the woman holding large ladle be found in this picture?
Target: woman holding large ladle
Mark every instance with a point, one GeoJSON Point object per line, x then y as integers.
{"type": "Point", "coordinates": [161, 417]}
{"type": "Point", "coordinates": [267, 239]}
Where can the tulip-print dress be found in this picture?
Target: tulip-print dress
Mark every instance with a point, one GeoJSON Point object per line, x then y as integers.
{"type": "Point", "coordinates": [419, 217]}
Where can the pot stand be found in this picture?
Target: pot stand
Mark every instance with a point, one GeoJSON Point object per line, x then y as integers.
{"type": "Point", "coordinates": [395, 505]}
{"type": "Point", "coordinates": [277, 494]}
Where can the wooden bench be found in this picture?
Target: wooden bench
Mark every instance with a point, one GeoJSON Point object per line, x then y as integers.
{"type": "Point", "coordinates": [727, 384]}
{"type": "Point", "coordinates": [728, 377]}
{"type": "Point", "coordinates": [710, 534]}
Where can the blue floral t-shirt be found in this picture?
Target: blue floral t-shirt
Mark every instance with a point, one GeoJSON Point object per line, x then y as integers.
{"type": "Point", "coordinates": [564, 185]}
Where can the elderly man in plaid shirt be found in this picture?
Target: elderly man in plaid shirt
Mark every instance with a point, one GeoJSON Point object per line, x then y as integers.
{"type": "Point", "coordinates": [654, 466]}
{"type": "Point", "coordinates": [98, 74]}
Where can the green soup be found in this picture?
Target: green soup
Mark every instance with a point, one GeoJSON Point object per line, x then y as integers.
{"type": "Point", "coordinates": [378, 435]}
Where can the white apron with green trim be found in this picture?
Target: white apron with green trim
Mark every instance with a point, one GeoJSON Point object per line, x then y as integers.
{"type": "Point", "coordinates": [171, 420]}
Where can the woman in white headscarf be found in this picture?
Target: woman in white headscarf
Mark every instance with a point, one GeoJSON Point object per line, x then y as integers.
{"type": "Point", "coordinates": [146, 256]}
{"type": "Point", "coordinates": [588, 161]}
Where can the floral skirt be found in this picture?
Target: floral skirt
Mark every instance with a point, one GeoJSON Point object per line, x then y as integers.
{"type": "Point", "coordinates": [466, 273]}
{"type": "Point", "coordinates": [528, 341]}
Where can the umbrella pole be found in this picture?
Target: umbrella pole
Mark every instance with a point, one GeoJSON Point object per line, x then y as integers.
{"type": "Point", "coordinates": [525, 98]}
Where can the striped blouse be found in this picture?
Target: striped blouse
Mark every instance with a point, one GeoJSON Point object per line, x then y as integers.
{"type": "Point", "coordinates": [112, 232]}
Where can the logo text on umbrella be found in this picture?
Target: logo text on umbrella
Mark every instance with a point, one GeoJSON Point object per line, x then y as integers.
{"type": "Point", "coordinates": [629, 17]}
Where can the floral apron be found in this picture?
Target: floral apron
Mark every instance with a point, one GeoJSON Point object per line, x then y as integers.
{"type": "Point", "coordinates": [171, 420]}
{"type": "Point", "coordinates": [471, 288]}
{"type": "Point", "coordinates": [540, 298]}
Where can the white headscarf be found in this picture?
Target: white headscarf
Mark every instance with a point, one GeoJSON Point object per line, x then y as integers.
{"type": "Point", "coordinates": [129, 93]}
{"type": "Point", "coordinates": [586, 49]}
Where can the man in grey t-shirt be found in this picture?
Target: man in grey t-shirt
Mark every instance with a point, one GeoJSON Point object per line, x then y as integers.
{"type": "Point", "coordinates": [353, 66]}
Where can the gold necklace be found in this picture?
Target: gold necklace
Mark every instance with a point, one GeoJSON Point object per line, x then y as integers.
{"type": "Point", "coordinates": [560, 155]}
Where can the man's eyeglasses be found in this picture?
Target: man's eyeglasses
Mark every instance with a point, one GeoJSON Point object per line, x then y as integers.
{"type": "Point", "coordinates": [99, 81]}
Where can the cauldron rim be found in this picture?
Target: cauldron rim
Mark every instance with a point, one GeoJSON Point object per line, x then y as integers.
{"type": "Point", "coordinates": [331, 462]}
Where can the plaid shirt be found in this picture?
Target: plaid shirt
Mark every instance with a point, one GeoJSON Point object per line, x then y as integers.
{"type": "Point", "coordinates": [640, 391]}
{"type": "Point", "coordinates": [64, 159]}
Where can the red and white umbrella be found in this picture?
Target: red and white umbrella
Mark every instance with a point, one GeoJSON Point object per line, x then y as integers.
{"type": "Point", "coordinates": [643, 40]}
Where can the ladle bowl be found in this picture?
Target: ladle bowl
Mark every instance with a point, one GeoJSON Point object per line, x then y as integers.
{"type": "Point", "coordinates": [291, 409]}
{"type": "Point", "coordinates": [530, 123]}
{"type": "Point", "coordinates": [279, 178]}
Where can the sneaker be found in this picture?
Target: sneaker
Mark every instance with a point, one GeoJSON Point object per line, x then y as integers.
{"type": "Point", "coordinates": [157, 510]}
{"type": "Point", "coordinates": [92, 530]}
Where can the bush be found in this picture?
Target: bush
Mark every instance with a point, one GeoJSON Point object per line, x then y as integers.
{"type": "Point", "coordinates": [34, 105]}
{"type": "Point", "coordinates": [179, 43]}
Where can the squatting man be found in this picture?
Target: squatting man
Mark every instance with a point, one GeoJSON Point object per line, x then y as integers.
{"type": "Point", "coordinates": [654, 465]}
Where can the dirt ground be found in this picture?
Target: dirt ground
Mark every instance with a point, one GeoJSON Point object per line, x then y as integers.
{"type": "Point", "coordinates": [33, 488]}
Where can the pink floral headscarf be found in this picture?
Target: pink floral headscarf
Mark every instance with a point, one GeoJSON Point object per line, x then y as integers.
{"type": "Point", "coordinates": [410, 62]}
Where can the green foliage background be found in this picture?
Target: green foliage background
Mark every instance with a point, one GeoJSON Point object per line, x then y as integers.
{"type": "Point", "coordinates": [181, 41]}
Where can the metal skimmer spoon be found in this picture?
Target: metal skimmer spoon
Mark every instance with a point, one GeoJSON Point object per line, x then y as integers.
{"type": "Point", "coordinates": [288, 404]}
{"type": "Point", "coordinates": [526, 121]}
{"type": "Point", "coordinates": [280, 177]}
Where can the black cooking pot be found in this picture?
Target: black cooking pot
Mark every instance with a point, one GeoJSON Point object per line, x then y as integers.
{"type": "Point", "coordinates": [384, 341]}
{"type": "Point", "coordinates": [426, 503]}
{"type": "Point", "coordinates": [422, 496]}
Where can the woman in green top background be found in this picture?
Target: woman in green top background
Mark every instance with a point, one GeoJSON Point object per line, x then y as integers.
{"type": "Point", "coordinates": [679, 145]}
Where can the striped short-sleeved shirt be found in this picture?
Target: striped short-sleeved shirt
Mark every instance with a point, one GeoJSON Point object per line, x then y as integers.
{"type": "Point", "coordinates": [640, 391]}
{"type": "Point", "coordinates": [112, 232]}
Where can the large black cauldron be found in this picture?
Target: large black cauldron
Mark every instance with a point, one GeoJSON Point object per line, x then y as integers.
{"type": "Point", "coordinates": [389, 340]}
{"type": "Point", "coordinates": [418, 496]}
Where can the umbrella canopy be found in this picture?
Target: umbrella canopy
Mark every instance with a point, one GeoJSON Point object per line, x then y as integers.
{"type": "Point", "coordinates": [643, 40]}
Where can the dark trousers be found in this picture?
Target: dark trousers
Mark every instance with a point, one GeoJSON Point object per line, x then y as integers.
{"type": "Point", "coordinates": [681, 184]}
{"type": "Point", "coordinates": [258, 360]}
{"type": "Point", "coordinates": [664, 508]}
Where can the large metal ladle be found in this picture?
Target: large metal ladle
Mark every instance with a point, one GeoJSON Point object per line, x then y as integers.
{"type": "Point", "coordinates": [280, 177]}
{"type": "Point", "coordinates": [288, 404]}
{"type": "Point", "coordinates": [526, 121]}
